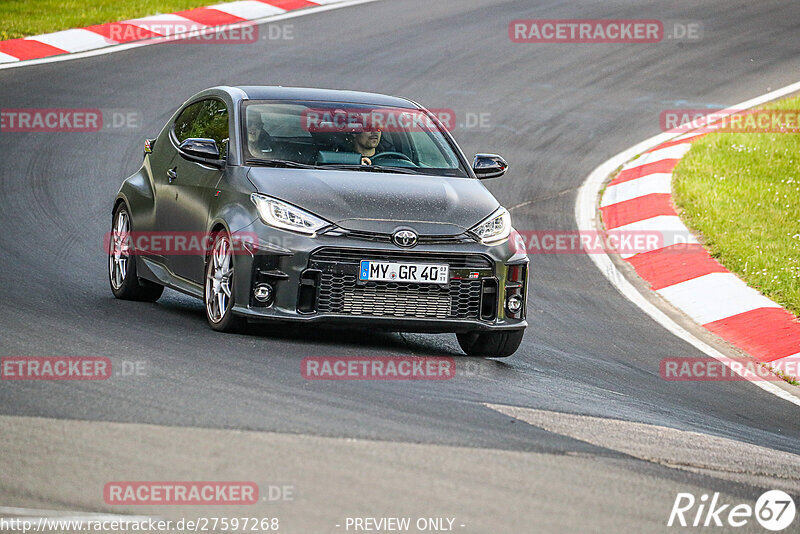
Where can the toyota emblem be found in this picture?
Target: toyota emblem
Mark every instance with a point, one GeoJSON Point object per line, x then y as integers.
{"type": "Point", "coordinates": [404, 238]}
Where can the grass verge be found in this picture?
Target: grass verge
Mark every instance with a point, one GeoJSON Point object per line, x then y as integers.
{"type": "Point", "coordinates": [741, 192]}
{"type": "Point", "coordinates": [23, 18]}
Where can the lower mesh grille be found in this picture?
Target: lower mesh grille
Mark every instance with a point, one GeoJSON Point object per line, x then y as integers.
{"type": "Point", "coordinates": [341, 294]}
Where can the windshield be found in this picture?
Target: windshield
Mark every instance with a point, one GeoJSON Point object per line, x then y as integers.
{"type": "Point", "coordinates": [339, 136]}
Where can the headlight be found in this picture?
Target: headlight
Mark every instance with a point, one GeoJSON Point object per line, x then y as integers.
{"type": "Point", "coordinates": [287, 217]}
{"type": "Point", "coordinates": [495, 228]}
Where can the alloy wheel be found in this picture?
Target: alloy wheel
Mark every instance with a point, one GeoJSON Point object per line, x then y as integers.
{"type": "Point", "coordinates": [219, 278]}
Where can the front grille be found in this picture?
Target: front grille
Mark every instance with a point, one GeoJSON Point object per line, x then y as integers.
{"type": "Point", "coordinates": [354, 256]}
{"type": "Point", "coordinates": [387, 238]}
{"type": "Point", "coordinates": [340, 292]}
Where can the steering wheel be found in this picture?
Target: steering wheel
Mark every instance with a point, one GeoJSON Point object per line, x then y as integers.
{"type": "Point", "coordinates": [394, 155]}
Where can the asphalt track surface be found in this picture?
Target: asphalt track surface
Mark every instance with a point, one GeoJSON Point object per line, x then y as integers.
{"type": "Point", "coordinates": [555, 112]}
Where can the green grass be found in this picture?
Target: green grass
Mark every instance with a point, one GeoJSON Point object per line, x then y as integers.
{"type": "Point", "coordinates": [741, 192]}
{"type": "Point", "coordinates": [22, 18]}
{"type": "Point", "coordinates": [780, 374]}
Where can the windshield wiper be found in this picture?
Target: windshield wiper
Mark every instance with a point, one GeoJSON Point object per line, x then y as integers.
{"type": "Point", "coordinates": [279, 163]}
{"type": "Point", "coordinates": [370, 168]}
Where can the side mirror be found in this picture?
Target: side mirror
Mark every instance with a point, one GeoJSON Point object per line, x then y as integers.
{"type": "Point", "coordinates": [201, 151]}
{"type": "Point", "coordinates": [489, 166]}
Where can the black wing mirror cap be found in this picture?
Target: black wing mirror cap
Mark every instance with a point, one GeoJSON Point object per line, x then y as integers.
{"type": "Point", "coordinates": [487, 166]}
{"type": "Point", "coordinates": [202, 151]}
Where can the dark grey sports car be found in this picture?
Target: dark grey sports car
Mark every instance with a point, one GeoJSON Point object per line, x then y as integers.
{"type": "Point", "coordinates": [320, 206]}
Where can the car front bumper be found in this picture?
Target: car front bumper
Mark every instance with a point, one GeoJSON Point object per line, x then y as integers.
{"type": "Point", "coordinates": [314, 280]}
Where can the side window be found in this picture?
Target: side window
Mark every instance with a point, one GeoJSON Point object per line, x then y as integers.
{"type": "Point", "coordinates": [185, 122]}
{"type": "Point", "coordinates": [206, 119]}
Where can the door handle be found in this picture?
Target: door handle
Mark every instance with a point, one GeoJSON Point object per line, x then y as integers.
{"type": "Point", "coordinates": [172, 174]}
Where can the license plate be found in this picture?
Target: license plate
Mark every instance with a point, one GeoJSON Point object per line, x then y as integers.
{"type": "Point", "coordinates": [417, 273]}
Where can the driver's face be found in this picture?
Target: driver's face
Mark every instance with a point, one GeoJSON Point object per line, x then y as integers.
{"type": "Point", "coordinates": [253, 131]}
{"type": "Point", "coordinates": [368, 139]}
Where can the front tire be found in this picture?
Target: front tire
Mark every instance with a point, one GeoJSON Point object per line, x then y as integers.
{"type": "Point", "coordinates": [491, 344]}
{"type": "Point", "coordinates": [218, 287]}
{"type": "Point", "coordinates": [122, 265]}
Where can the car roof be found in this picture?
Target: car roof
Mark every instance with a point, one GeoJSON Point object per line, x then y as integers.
{"type": "Point", "coordinates": [264, 92]}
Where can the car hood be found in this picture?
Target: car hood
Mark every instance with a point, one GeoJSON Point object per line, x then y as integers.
{"type": "Point", "coordinates": [381, 202]}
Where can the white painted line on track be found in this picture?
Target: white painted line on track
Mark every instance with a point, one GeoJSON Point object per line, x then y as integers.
{"type": "Point", "coordinates": [690, 135]}
{"type": "Point", "coordinates": [660, 182]}
{"type": "Point", "coordinates": [77, 40]}
{"type": "Point", "coordinates": [164, 18]}
{"type": "Point", "coordinates": [586, 216]}
{"type": "Point", "coordinates": [671, 152]}
{"type": "Point", "coordinates": [669, 229]}
{"type": "Point", "coordinates": [248, 9]}
{"type": "Point", "coordinates": [5, 58]}
{"type": "Point", "coordinates": [715, 296]}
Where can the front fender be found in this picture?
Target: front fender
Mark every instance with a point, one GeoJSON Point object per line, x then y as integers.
{"type": "Point", "coordinates": [232, 207]}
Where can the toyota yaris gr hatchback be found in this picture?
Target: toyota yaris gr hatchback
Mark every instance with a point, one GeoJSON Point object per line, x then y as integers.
{"type": "Point", "coordinates": [321, 207]}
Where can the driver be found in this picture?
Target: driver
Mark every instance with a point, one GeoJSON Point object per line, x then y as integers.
{"type": "Point", "coordinates": [366, 144]}
{"type": "Point", "coordinates": [259, 142]}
